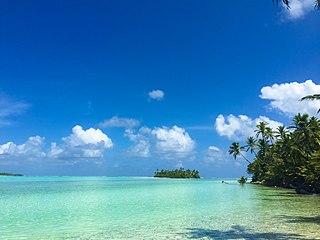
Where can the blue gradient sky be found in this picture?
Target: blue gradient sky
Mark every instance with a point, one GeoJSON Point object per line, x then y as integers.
{"type": "Point", "coordinates": [68, 63]}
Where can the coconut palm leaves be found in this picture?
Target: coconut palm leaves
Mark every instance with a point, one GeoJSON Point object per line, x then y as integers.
{"type": "Point", "coordinates": [288, 156]}
{"type": "Point", "coordinates": [281, 132]}
{"type": "Point", "coordinates": [261, 130]}
{"type": "Point", "coordinates": [311, 97]}
{"type": "Point", "coordinates": [235, 149]}
{"type": "Point", "coordinates": [314, 96]}
{"type": "Point", "coordinates": [251, 145]}
{"type": "Point", "coordinates": [287, 3]}
{"type": "Point", "coordinates": [264, 131]}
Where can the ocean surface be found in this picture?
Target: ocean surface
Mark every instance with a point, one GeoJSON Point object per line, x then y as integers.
{"type": "Point", "coordinates": [148, 208]}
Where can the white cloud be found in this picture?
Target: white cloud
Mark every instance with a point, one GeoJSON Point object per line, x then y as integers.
{"type": "Point", "coordinates": [156, 95]}
{"type": "Point", "coordinates": [89, 143]}
{"type": "Point", "coordinates": [80, 137]}
{"type": "Point", "coordinates": [298, 9]}
{"type": "Point", "coordinates": [80, 144]}
{"type": "Point", "coordinates": [10, 107]}
{"type": "Point", "coordinates": [30, 150]}
{"type": "Point", "coordinates": [179, 164]}
{"type": "Point", "coordinates": [240, 127]}
{"type": "Point", "coordinates": [164, 142]}
{"type": "Point", "coordinates": [220, 157]}
{"type": "Point", "coordinates": [141, 140]}
{"type": "Point", "coordinates": [213, 149]}
{"type": "Point", "coordinates": [286, 97]}
{"type": "Point", "coordinates": [119, 122]}
{"type": "Point", "coordinates": [173, 141]}
{"type": "Point", "coordinates": [213, 155]}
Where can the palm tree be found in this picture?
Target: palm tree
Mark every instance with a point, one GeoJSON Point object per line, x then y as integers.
{"type": "Point", "coordinates": [300, 121]}
{"type": "Point", "coordinates": [314, 126]}
{"type": "Point", "coordinates": [302, 132]}
{"type": "Point", "coordinates": [281, 132]}
{"type": "Point", "coordinates": [269, 134]}
{"type": "Point", "coordinates": [262, 129]}
{"type": "Point", "coordinates": [251, 145]}
{"type": "Point", "coordinates": [236, 149]}
{"type": "Point", "coordinates": [312, 97]}
{"type": "Point", "coordinates": [293, 159]}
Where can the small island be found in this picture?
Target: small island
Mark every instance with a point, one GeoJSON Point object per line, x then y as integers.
{"type": "Point", "coordinates": [177, 173]}
{"type": "Point", "coordinates": [11, 174]}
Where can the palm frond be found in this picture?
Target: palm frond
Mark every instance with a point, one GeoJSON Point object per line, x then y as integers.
{"type": "Point", "coordinates": [311, 97]}
{"type": "Point", "coordinates": [285, 2]}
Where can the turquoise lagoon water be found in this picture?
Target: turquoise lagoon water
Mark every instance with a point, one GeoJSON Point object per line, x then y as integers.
{"type": "Point", "coordinates": [147, 208]}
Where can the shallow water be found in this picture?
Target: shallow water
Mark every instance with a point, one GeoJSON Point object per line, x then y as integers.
{"type": "Point", "coordinates": [147, 208]}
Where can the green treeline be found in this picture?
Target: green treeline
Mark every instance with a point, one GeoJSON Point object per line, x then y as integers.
{"type": "Point", "coordinates": [10, 174]}
{"type": "Point", "coordinates": [286, 157]}
{"type": "Point", "coordinates": [178, 173]}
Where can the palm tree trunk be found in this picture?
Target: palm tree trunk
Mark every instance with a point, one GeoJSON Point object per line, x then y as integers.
{"type": "Point", "coordinates": [245, 158]}
{"type": "Point", "coordinates": [254, 152]}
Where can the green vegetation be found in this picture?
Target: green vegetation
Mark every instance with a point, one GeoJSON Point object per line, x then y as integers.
{"type": "Point", "coordinates": [11, 174]}
{"type": "Point", "coordinates": [312, 97]}
{"type": "Point", "coordinates": [178, 173]}
{"type": "Point", "coordinates": [287, 157]}
{"type": "Point", "coordinates": [242, 180]}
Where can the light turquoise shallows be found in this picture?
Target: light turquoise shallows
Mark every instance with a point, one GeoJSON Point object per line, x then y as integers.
{"type": "Point", "coordinates": [147, 208]}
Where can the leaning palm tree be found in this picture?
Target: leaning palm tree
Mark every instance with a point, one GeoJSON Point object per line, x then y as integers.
{"type": "Point", "coordinates": [235, 149]}
{"type": "Point", "coordinates": [312, 97]}
{"type": "Point", "coordinates": [251, 145]}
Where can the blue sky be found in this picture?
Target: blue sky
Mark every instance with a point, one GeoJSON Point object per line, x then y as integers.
{"type": "Point", "coordinates": [126, 87]}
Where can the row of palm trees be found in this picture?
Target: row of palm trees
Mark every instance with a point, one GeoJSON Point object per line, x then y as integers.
{"type": "Point", "coordinates": [177, 173]}
{"type": "Point", "coordinates": [287, 157]}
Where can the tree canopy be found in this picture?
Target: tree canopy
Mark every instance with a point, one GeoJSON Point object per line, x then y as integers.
{"type": "Point", "coordinates": [287, 156]}
{"type": "Point", "coordinates": [177, 173]}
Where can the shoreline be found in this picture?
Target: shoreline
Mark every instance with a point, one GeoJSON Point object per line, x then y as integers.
{"type": "Point", "coordinates": [298, 190]}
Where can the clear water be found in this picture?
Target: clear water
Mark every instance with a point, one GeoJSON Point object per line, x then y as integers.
{"type": "Point", "coordinates": [147, 208]}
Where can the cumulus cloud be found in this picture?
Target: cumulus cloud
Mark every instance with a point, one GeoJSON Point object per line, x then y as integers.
{"type": "Point", "coordinates": [213, 149]}
{"type": "Point", "coordinates": [80, 137]}
{"type": "Point", "coordinates": [32, 149]}
{"type": "Point", "coordinates": [213, 155]}
{"type": "Point", "coordinates": [10, 107]}
{"type": "Point", "coordinates": [81, 143]}
{"type": "Point", "coordinates": [240, 127]}
{"type": "Point", "coordinates": [164, 142]}
{"type": "Point", "coordinates": [173, 141]}
{"type": "Point", "coordinates": [156, 95]}
{"type": "Point", "coordinates": [220, 157]}
{"type": "Point", "coordinates": [142, 141]}
{"type": "Point", "coordinates": [120, 122]}
{"type": "Point", "coordinates": [298, 9]}
{"type": "Point", "coordinates": [286, 97]}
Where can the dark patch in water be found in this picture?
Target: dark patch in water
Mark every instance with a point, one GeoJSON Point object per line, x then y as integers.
{"type": "Point", "coordinates": [239, 232]}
